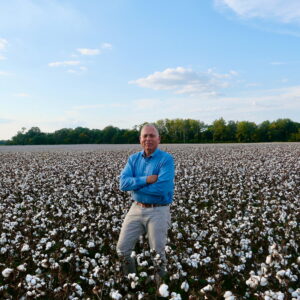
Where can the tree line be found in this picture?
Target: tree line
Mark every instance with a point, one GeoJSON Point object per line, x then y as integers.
{"type": "Point", "coordinates": [171, 131]}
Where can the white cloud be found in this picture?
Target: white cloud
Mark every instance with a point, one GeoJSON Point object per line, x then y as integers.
{"type": "Point", "coordinates": [3, 43]}
{"type": "Point", "coordinates": [3, 73]}
{"type": "Point", "coordinates": [80, 70]}
{"type": "Point", "coordinates": [106, 46]}
{"type": "Point", "coordinates": [280, 63]}
{"type": "Point", "coordinates": [186, 81]}
{"type": "Point", "coordinates": [262, 105]}
{"type": "Point", "coordinates": [2, 57]}
{"type": "Point", "coordinates": [86, 51]}
{"type": "Point", "coordinates": [88, 106]}
{"type": "Point", "coordinates": [22, 95]}
{"type": "Point", "coordinates": [277, 63]}
{"type": "Point", "coordinates": [286, 11]}
{"type": "Point", "coordinates": [72, 71]}
{"type": "Point", "coordinates": [64, 63]}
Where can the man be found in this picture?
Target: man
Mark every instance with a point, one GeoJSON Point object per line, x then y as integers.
{"type": "Point", "coordinates": [149, 175]}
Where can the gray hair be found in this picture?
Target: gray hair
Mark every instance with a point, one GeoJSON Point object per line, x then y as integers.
{"type": "Point", "coordinates": [150, 125]}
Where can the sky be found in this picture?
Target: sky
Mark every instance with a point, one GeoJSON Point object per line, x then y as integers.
{"type": "Point", "coordinates": [70, 63]}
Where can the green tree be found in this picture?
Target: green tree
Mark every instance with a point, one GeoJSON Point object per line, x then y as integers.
{"type": "Point", "coordinates": [245, 131]}
{"type": "Point", "coordinates": [282, 129]}
{"type": "Point", "coordinates": [108, 134]}
{"type": "Point", "coordinates": [263, 132]}
{"type": "Point", "coordinates": [231, 129]}
{"type": "Point", "coordinates": [295, 137]}
{"type": "Point", "coordinates": [219, 130]}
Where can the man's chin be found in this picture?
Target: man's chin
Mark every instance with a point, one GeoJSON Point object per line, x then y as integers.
{"type": "Point", "coordinates": [149, 149]}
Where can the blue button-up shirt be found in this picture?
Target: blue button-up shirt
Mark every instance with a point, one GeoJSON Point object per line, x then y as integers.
{"type": "Point", "coordinates": [138, 167]}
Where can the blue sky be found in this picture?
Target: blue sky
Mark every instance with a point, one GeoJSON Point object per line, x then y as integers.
{"type": "Point", "coordinates": [96, 63]}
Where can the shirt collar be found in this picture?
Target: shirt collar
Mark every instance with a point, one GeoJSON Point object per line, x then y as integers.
{"type": "Point", "coordinates": [151, 155]}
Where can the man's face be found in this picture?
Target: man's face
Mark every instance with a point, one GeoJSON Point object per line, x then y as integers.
{"type": "Point", "coordinates": [149, 139]}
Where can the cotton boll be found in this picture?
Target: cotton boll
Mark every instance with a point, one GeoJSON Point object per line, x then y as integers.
{"type": "Point", "coordinates": [131, 276]}
{"type": "Point", "coordinates": [253, 281]}
{"type": "Point", "coordinates": [296, 293]}
{"type": "Point", "coordinates": [185, 286]}
{"type": "Point", "coordinates": [74, 230]}
{"type": "Point", "coordinates": [175, 276]}
{"type": "Point", "coordinates": [22, 267]}
{"type": "Point", "coordinates": [48, 246]}
{"type": "Point", "coordinates": [6, 272]}
{"type": "Point", "coordinates": [3, 250]}
{"type": "Point", "coordinates": [133, 284]}
{"type": "Point", "coordinates": [280, 273]}
{"type": "Point", "coordinates": [144, 263]}
{"type": "Point", "coordinates": [114, 294]}
{"type": "Point", "coordinates": [168, 249]}
{"type": "Point", "coordinates": [69, 243]}
{"type": "Point", "coordinates": [175, 296]}
{"type": "Point", "coordinates": [263, 281]}
{"type": "Point", "coordinates": [78, 289]}
{"type": "Point", "coordinates": [207, 288]}
{"type": "Point", "coordinates": [227, 294]}
{"type": "Point", "coordinates": [206, 260]}
{"type": "Point", "coordinates": [44, 263]}
{"type": "Point", "coordinates": [25, 248]}
{"type": "Point", "coordinates": [163, 290]}
{"type": "Point", "coordinates": [28, 278]}
{"type": "Point", "coordinates": [280, 296]}
{"type": "Point", "coordinates": [91, 245]}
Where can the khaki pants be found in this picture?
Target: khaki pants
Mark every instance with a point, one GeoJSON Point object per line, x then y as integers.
{"type": "Point", "coordinates": [155, 221]}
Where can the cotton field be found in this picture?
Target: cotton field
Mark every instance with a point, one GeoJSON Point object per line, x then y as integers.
{"type": "Point", "coordinates": [234, 235]}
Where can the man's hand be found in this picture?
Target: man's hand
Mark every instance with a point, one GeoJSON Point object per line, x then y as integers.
{"type": "Point", "coordinates": [151, 179]}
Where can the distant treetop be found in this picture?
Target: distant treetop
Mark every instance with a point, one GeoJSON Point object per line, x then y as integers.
{"type": "Point", "coordinates": [171, 131]}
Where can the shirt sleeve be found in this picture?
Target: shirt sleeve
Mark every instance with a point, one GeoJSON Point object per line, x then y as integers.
{"type": "Point", "coordinates": [128, 182]}
{"type": "Point", "coordinates": [164, 183]}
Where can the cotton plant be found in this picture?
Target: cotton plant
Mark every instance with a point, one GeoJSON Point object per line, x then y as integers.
{"type": "Point", "coordinates": [234, 205]}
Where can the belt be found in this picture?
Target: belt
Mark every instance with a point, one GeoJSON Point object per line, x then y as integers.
{"type": "Point", "coordinates": [149, 204]}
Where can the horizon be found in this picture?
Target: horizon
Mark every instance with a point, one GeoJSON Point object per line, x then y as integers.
{"type": "Point", "coordinates": [68, 64]}
{"type": "Point", "coordinates": [73, 128]}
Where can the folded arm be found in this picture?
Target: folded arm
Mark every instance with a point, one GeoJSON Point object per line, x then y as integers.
{"type": "Point", "coordinates": [128, 182]}
{"type": "Point", "coordinates": [164, 183]}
